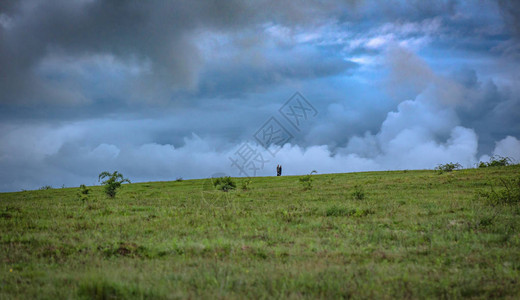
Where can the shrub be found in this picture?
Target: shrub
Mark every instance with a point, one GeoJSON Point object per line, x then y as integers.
{"type": "Point", "coordinates": [306, 181]}
{"type": "Point", "coordinates": [46, 187]}
{"type": "Point", "coordinates": [113, 182]}
{"type": "Point", "coordinates": [84, 190]}
{"type": "Point", "coordinates": [179, 179]}
{"type": "Point", "coordinates": [358, 193]}
{"type": "Point", "coordinates": [449, 167]}
{"type": "Point", "coordinates": [246, 184]}
{"type": "Point", "coordinates": [83, 193]}
{"type": "Point", "coordinates": [224, 183]}
{"type": "Point", "coordinates": [508, 192]}
{"type": "Point", "coordinates": [496, 161]}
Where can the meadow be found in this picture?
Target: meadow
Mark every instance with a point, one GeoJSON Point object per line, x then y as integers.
{"type": "Point", "coordinates": [394, 234]}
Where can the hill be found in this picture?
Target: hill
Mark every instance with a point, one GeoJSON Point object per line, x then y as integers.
{"type": "Point", "coordinates": [398, 234]}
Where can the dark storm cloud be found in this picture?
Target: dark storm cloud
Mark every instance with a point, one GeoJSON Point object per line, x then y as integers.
{"type": "Point", "coordinates": [162, 34]}
{"type": "Point", "coordinates": [124, 29]}
{"type": "Point", "coordinates": [234, 79]}
{"type": "Point", "coordinates": [511, 11]}
{"type": "Point", "coordinates": [161, 41]}
{"type": "Point", "coordinates": [492, 112]}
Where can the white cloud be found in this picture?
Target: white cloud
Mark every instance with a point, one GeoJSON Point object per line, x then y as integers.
{"type": "Point", "coordinates": [508, 147]}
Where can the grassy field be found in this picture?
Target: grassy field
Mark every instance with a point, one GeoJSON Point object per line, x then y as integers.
{"type": "Point", "coordinates": [399, 234]}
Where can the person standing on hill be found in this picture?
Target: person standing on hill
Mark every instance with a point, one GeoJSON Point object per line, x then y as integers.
{"type": "Point", "coordinates": [280, 170]}
{"type": "Point", "coordinates": [277, 170]}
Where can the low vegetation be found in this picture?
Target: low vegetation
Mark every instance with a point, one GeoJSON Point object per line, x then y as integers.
{"type": "Point", "coordinates": [496, 161]}
{"type": "Point", "coordinates": [83, 193]}
{"type": "Point", "coordinates": [448, 167]}
{"type": "Point", "coordinates": [358, 193]}
{"type": "Point", "coordinates": [306, 181]}
{"type": "Point", "coordinates": [224, 184]}
{"type": "Point", "coordinates": [503, 191]}
{"type": "Point", "coordinates": [376, 235]}
{"type": "Point", "coordinates": [112, 183]}
{"type": "Point", "coordinates": [246, 184]}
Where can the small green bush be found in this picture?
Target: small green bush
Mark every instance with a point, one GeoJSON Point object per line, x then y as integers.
{"type": "Point", "coordinates": [496, 161]}
{"type": "Point", "coordinates": [358, 193]}
{"type": "Point", "coordinates": [179, 179]}
{"type": "Point", "coordinates": [508, 192]}
{"type": "Point", "coordinates": [113, 182]}
{"type": "Point", "coordinates": [224, 183]}
{"type": "Point", "coordinates": [306, 181]}
{"type": "Point", "coordinates": [449, 167]}
{"type": "Point", "coordinates": [246, 184]}
{"type": "Point", "coordinates": [84, 190]}
{"type": "Point", "coordinates": [83, 193]}
{"type": "Point", "coordinates": [46, 187]}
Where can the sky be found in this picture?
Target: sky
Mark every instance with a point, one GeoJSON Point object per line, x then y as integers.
{"type": "Point", "coordinates": [160, 90]}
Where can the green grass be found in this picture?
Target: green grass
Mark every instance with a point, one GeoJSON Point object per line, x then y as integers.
{"type": "Point", "coordinates": [413, 234]}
